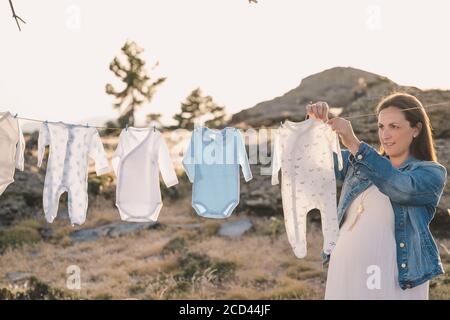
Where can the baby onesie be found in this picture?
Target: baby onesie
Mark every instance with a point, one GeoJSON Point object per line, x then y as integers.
{"type": "Point", "coordinates": [212, 162]}
{"type": "Point", "coordinates": [12, 147]}
{"type": "Point", "coordinates": [304, 153]}
{"type": "Point", "coordinates": [70, 146]}
{"type": "Point", "coordinates": [140, 155]}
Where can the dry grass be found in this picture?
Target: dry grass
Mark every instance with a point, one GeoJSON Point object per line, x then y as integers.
{"type": "Point", "coordinates": [147, 265]}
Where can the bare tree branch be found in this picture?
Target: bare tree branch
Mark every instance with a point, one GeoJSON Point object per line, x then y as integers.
{"type": "Point", "coordinates": [15, 16]}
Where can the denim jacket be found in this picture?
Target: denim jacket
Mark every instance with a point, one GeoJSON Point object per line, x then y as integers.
{"type": "Point", "coordinates": [414, 190]}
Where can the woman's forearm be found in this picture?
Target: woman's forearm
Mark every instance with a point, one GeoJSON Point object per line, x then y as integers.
{"type": "Point", "coordinates": [354, 145]}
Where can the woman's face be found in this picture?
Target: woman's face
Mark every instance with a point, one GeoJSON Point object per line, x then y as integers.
{"type": "Point", "coordinates": [395, 132]}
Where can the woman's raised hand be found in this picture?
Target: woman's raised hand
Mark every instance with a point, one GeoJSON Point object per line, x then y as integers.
{"type": "Point", "coordinates": [341, 126]}
{"type": "Point", "coordinates": [318, 110]}
{"type": "Point", "coordinates": [344, 129]}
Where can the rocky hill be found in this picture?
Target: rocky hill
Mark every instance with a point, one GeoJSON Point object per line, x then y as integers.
{"type": "Point", "coordinates": [349, 92]}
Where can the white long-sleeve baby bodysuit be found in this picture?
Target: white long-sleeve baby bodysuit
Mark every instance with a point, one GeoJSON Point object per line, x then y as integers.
{"type": "Point", "coordinates": [71, 146]}
{"type": "Point", "coordinates": [139, 156]}
{"type": "Point", "coordinates": [12, 147]}
{"type": "Point", "coordinates": [304, 153]}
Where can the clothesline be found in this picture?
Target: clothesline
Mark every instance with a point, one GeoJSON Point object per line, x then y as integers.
{"type": "Point", "coordinates": [445, 103]}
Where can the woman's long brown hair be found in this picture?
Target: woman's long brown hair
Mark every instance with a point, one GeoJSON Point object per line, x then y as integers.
{"type": "Point", "coordinates": [422, 147]}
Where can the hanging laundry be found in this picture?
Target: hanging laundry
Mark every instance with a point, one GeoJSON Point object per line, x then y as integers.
{"type": "Point", "coordinates": [70, 146]}
{"type": "Point", "coordinates": [12, 146]}
{"type": "Point", "coordinates": [304, 153]}
{"type": "Point", "coordinates": [140, 155]}
{"type": "Point", "coordinates": [212, 163]}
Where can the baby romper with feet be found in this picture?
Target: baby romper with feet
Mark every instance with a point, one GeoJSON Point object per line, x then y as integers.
{"type": "Point", "coordinates": [304, 153]}
{"type": "Point", "coordinates": [70, 147]}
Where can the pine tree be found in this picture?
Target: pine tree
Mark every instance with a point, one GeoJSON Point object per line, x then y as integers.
{"type": "Point", "coordinates": [139, 87]}
{"type": "Point", "coordinates": [154, 119]}
{"type": "Point", "coordinates": [197, 106]}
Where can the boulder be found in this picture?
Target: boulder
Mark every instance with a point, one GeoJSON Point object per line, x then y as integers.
{"type": "Point", "coordinates": [112, 230]}
{"type": "Point", "coordinates": [22, 198]}
{"type": "Point", "coordinates": [15, 277]}
{"type": "Point", "coordinates": [236, 228]}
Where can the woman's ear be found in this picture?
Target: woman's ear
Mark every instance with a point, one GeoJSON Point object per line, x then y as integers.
{"type": "Point", "coordinates": [418, 129]}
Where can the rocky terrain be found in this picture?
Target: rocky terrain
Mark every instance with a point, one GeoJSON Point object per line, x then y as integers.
{"type": "Point", "coordinates": [183, 256]}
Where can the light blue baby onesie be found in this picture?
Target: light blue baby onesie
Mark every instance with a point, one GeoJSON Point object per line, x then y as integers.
{"type": "Point", "coordinates": [212, 163]}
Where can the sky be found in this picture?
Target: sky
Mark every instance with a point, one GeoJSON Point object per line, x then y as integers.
{"type": "Point", "coordinates": [241, 54]}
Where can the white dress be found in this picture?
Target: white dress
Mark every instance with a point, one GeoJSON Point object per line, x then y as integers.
{"type": "Point", "coordinates": [363, 263]}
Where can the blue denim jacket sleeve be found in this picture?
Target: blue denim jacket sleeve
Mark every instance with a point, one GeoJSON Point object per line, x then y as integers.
{"type": "Point", "coordinates": [422, 185]}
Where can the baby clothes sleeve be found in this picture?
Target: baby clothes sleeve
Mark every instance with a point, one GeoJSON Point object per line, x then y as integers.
{"type": "Point", "coordinates": [20, 150]}
{"type": "Point", "coordinates": [242, 157]}
{"type": "Point", "coordinates": [43, 141]}
{"type": "Point", "coordinates": [118, 154]}
{"type": "Point", "coordinates": [333, 139]}
{"type": "Point", "coordinates": [97, 153]}
{"type": "Point", "coordinates": [189, 158]}
{"type": "Point", "coordinates": [276, 157]}
{"type": "Point", "coordinates": [165, 165]}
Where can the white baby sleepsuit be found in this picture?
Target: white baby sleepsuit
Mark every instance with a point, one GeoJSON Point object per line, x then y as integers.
{"type": "Point", "coordinates": [12, 147]}
{"type": "Point", "coordinates": [304, 153]}
{"type": "Point", "coordinates": [70, 146]}
{"type": "Point", "coordinates": [140, 155]}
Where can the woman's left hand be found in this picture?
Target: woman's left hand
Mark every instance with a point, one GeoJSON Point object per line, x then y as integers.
{"type": "Point", "coordinates": [344, 129]}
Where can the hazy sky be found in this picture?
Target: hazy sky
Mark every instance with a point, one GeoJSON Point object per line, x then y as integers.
{"type": "Point", "coordinates": [240, 53]}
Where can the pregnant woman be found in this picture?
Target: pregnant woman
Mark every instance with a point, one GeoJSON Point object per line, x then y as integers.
{"type": "Point", "coordinates": [385, 249]}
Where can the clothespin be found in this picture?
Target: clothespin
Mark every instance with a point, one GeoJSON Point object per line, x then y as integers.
{"type": "Point", "coordinates": [16, 115]}
{"type": "Point", "coordinates": [154, 129]}
{"type": "Point", "coordinates": [126, 128]}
